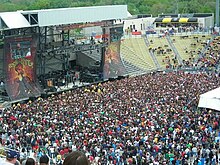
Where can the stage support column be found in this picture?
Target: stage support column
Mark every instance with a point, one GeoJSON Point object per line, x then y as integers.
{"type": "Point", "coordinates": [45, 37]}
{"type": "Point", "coordinates": [63, 37]}
{"type": "Point", "coordinates": [68, 36]}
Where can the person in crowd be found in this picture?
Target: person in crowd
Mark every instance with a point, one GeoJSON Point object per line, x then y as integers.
{"type": "Point", "coordinates": [44, 160]}
{"type": "Point", "coordinates": [11, 158]}
{"type": "Point", "coordinates": [30, 161]}
{"type": "Point", "coordinates": [76, 158]}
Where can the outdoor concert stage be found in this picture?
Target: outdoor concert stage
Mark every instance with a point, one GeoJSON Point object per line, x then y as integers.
{"type": "Point", "coordinates": [36, 47]}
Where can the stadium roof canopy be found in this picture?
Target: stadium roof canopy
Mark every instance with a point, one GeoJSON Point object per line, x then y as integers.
{"type": "Point", "coordinates": [61, 16]}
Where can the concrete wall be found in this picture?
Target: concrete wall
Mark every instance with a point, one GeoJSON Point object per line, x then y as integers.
{"type": "Point", "coordinates": [140, 23]}
{"type": "Point", "coordinates": [72, 56]}
{"type": "Point", "coordinates": [206, 22]}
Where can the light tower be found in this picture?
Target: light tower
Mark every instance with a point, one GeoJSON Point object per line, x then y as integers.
{"type": "Point", "coordinates": [217, 13]}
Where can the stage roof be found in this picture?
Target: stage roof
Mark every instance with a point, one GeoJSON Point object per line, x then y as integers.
{"type": "Point", "coordinates": [14, 20]}
{"type": "Point", "coordinates": [62, 16]}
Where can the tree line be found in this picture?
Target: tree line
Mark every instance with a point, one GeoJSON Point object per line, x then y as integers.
{"type": "Point", "coordinates": [135, 7]}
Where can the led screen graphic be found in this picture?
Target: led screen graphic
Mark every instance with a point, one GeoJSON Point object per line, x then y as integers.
{"type": "Point", "coordinates": [20, 67]}
{"type": "Point", "coordinates": [113, 66]}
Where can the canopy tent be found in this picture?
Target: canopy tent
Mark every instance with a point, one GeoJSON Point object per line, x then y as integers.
{"type": "Point", "coordinates": [210, 99]}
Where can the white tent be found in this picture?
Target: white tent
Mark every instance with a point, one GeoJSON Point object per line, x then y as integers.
{"type": "Point", "coordinates": [210, 99]}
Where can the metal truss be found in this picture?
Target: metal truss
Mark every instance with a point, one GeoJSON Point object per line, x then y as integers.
{"type": "Point", "coordinates": [52, 52]}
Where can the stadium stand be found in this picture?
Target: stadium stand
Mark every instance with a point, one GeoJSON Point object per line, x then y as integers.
{"type": "Point", "coordinates": [135, 51]}
{"type": "Point", "coordinates": [190, 46]}
{"type": "Point", "coordinates": [210, 58]}
{"type": "Point", "coordinates": [132, 69]}
{"type": "Point", "coordinates": [143, 50]}
{"type": "Point", "coordinates": [162, 51]}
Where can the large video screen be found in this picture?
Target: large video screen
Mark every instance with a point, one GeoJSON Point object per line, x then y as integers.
{"type": "Point", "coordinates": [19, 66]}
{"type": "Point", "coordinates": [20, 49]}
{"type": "Point", "coordinates": [113, 66]}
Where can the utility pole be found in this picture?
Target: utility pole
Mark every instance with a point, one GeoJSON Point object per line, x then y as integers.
{"type": "Point", "coordinates": [177, 7]}
{"type": "Point", "coordinates": [217, 13]}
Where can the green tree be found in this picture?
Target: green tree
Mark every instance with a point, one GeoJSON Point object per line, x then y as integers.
{"type": "Point", "coordinates": [134, 6]}
{"type": "Point", "coordinates": [41, 4]}
{"type": "Point", "coordinates": [11, 7]}
{"type": "Point", "coordinates": [158, 9]}
{"type": "Point", "coordinates": [60, 4]}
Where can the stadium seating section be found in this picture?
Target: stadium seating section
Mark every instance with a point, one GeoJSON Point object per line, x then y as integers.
{"type": "Point", "coordinates": [135, 52]}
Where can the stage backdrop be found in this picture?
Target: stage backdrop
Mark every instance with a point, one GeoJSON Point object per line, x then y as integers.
{"type": "Point", "coordinates": [19, 66]}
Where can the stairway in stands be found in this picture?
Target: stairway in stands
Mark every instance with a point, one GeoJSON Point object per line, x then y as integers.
{"type": "Point", "coordinates": [152, 54]}
{"type": "Point", "coordinates": [205, 48]}
{"type": "Point", "coordinates": [180, 60]}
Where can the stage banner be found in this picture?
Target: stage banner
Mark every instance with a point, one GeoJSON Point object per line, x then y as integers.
{"type": "Point", "coordinates": [113, 66]}
{"type": "Point", "coordinates": [19, 66]}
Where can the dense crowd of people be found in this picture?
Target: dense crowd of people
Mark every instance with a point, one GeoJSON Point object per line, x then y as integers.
{"type": "Point", "coordinates": [148, 119]}
{"type": "Point", "coordinates": [211, 57]}
{"type": "Point", "coordinates": [73, 158]}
